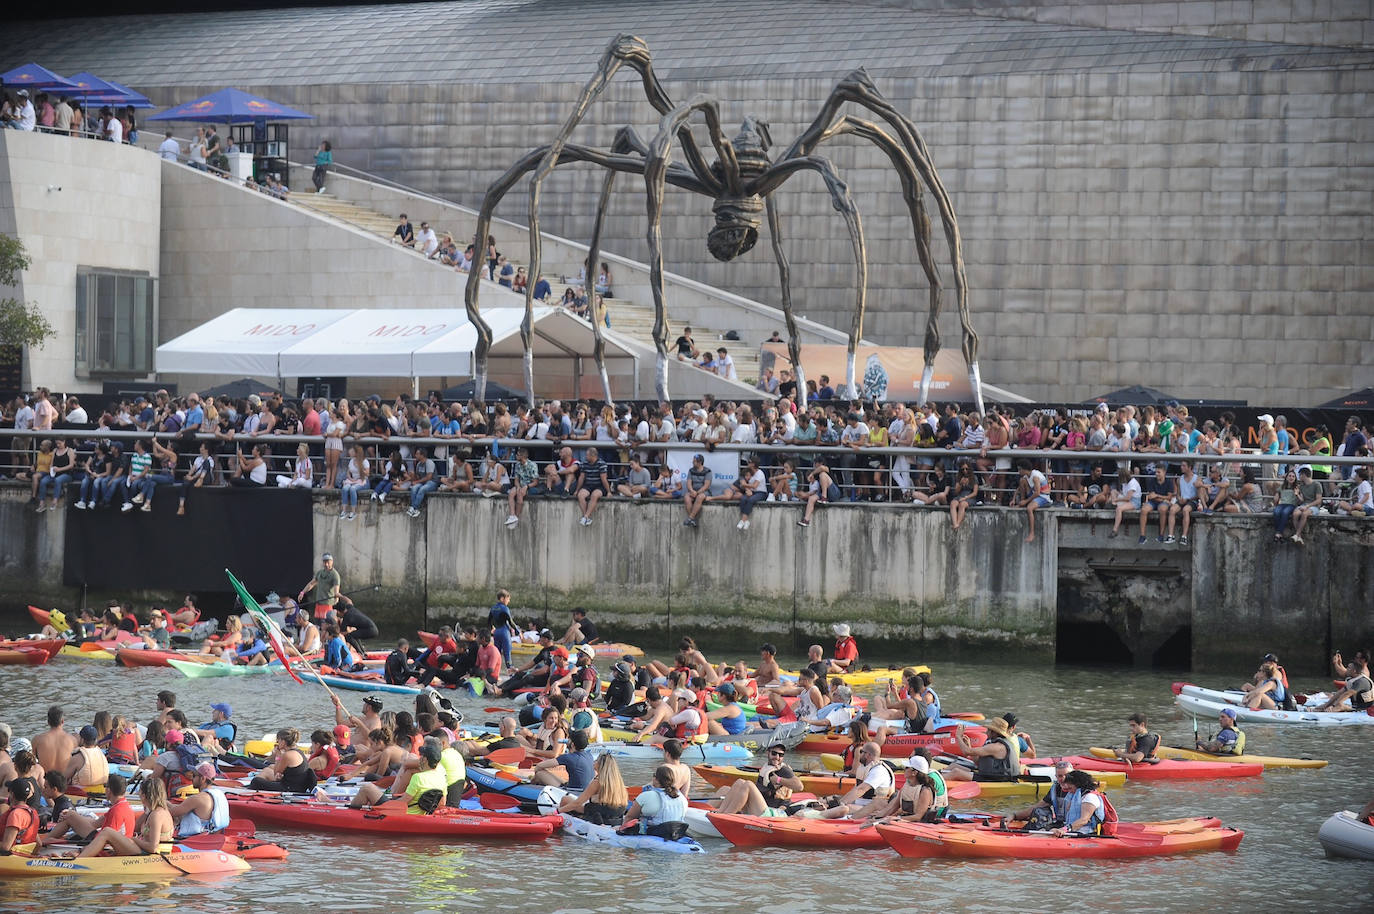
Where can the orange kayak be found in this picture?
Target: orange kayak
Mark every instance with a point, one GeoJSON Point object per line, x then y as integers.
{"type": "Point", "coordinates": [1155, 839]}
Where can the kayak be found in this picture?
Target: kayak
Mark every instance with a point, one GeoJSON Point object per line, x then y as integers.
{"type": "Point", "coordinates": [444, 822]}
{"type": "Point", "coordinates": [787, 735]}
{"type": "Point", "coordinates": [1343, 835]}
{"type": "Point", "coordinates": [49, 646]}
{"type": "Point", "coordinates": [766, 831]}
{"type": "Point", "coordinates": [1268, 761]}
{"type": "Point", "coordinates": [1165, 769]}
{"type": "Point", "coordinates": [146, 656]}
{"type": "Point", "coordinates": [863, 678]}
{"type": "Point", "coordinates": [1208, 708]}
{"type": "Point", "coordinates": [74, 650]}
{"type": "Point", "coordinates": [23, 656]}
{"type": "Point", "coordinates": [195, 669]}
{"type": "Point", "coordinates": [691, 752]}
{"type": "Point", "coordinates": [919, 840]}
{"type": "Point", "coordinates": [897, 745]}
{"type": "Point", "coordinates": [488, 780]}
{"type": "Point", "coordinates": [824, 784]}
{"type": "Point", "coordinates": [22, 864]}
{"type": "Point", "coordinates": [614, 650]}
{"type": "Point", "coordinates": [606, 834]}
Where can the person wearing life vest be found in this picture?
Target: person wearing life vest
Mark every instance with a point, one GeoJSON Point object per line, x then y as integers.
{"type": "Point", "coordinates": [1271, 692]}
{"type": "Point", "coordinates": [913, 802]}
{"type": "Point", "coordinates": [1229, 741]}
{"type": "Point", "coordinates": [87, 766]}
{"type": "Point", "coordinates": [769, 794]}
{"type": "Point", "coordinates": [207, 810]}
{"type": "Point", "coordinates": [660, 809]}
{"type": "Point", "coordinates": [686, 722]}
{"type": "Point", "coordinates": [999, 759]}
{"type": "Point", "coordinates": [18, 819]}
{"type": "Point", "coordinates": [1049, 809]}
{"type": "Point", "coordinates": [1142, 744]}
{"type": "Point", "coordinates": [729, 719]}
{"type": "Point", "coordinates": [1085, 808]}
{"type": "Point", "coordinates": [846, 650]}
{"type": "Point", "coordinates": [1358, 688]}
{"type": "Point", "coordinates": [874, 780]}
{"type": "Point", "coordinates": [621, 689]}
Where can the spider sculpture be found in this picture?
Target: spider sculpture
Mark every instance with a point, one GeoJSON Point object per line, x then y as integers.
{"type": "Point", "coordinates": [740, 183]}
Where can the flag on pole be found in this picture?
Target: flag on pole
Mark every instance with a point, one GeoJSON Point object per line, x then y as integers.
{"type": "Point", "coordinates": [269, 628]}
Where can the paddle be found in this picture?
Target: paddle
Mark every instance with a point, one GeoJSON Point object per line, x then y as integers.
{"type": "Point", "coordinates": [498, 710]}
{"type": "Point", "coordinates": [498, 801]}
{"type": "Point", "coordinates": [512, 756]}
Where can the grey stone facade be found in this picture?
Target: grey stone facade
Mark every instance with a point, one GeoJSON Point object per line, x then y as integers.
{"type": "Point", "coordinates": [1191, 212]}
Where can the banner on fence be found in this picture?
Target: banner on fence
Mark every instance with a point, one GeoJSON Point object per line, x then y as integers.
{"type": "Point", "coordinates": [724, 466]}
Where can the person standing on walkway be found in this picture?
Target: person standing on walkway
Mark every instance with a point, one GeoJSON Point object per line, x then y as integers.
{"type": "Point", "coordinates": [326, 584]}
{"type": "Point", "coordinates": [324, 157]}
{"type": "Point", "coordinates": [502, 625]}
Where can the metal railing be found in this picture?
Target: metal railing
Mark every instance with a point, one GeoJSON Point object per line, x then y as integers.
{"type": "Point", "coordinates": [851, 468]}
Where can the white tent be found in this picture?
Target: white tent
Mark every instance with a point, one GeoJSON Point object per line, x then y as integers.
{"type": "Point", "coordinates": [384, 343]}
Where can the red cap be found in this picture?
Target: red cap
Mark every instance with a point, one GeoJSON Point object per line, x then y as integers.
{"type": "Point", "coordinates": [561, 651]}
{"type": "Point", "coordinates": [342, 734]}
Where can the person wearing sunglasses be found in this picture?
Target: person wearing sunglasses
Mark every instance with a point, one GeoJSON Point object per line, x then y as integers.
{"type": "Point", "coordinates": [769, 795]}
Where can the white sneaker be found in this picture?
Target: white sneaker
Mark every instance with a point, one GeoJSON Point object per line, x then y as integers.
{"type": "Point", "coordinates": [137, 499]}
{"type": "Point", "coordinates": [510, 519]}
{"type": "Point", "coordinates": [126, 507]}
{"type": "Point", "coordinates": [771, 497]}
{"type": "Point", "coordinates": [41, 508]}
{"type": "Point", "coordinates": [147, 506]}
{"type": "Point", "coordinates": [382, 498]}
{"type": "Point", "coordinates": [740, 525]}
{"type": "Point", "coordinates": [372, 496]}
{"type": "Point", "coordinates": [351, 515]}
{"type": "Point", "coordinates": [746, 525]}
{"type": "Point", "coordinates": [81, 506]}
{"type": "Point", "coordinates": [343, 514]}
{"type": "Point", "coordinates": [488, 493]}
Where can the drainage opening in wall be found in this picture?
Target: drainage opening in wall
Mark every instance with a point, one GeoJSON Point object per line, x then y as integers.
{"type": "Point", "coordinates": [1176, 653]}
{"type": "Point", "coordinates": [1090, 642]}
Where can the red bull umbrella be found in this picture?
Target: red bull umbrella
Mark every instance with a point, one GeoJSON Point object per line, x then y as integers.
{"type": "Point", "coordinates": [230, 106]}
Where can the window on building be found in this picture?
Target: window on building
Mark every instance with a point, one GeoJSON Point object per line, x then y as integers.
{"type": "Point", "coordinates": [115, 315]}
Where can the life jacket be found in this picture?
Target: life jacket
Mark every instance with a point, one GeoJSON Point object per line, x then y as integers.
{"type": "Point", "coordinates": [23, 817]}
{"type": "Point", "coordinates": [190, 754]}
{"type": "Point", "coordinates": [95, 769]}
{"type": "Point", "coordinates": [1238, 748]}
{"type": "Point", "coordinates": [941, 802]}
{"type": "Point", "coordinates": [1130, 747]}
{"type": "Point", "coordinates": [672, 809]}
{"type": "Point", "coordinates": [933, 705]}
{"type": "Point", "coordinates": [1279, 694]}
{"type": "Point", "coordinates": [688, 732]}
{"type": "Point", "coordinates": [1362, 699]}
{"type": "Point", "coordinates": [218, 821]}
{"type": "Point", "coordinates": [123, 748]}
{"type": "Point", "coordinates": [1073, 811]}
{"type": "Point", "coordinates": [1009, 767]}
{"type": "Point", "coordinates": [848, 755]}
{"type": "Point", "coordinates": [1283, 675]}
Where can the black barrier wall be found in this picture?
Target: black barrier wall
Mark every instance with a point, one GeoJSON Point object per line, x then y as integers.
{"type": "Point", "coordinates": [264, 535]}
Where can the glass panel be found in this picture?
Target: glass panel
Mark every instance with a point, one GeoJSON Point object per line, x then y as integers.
{"type": "Point", "coordinates": [124, 316]}
{"type": "Point", "coordinates": [83, 305]}
{"type": "Point", "coordinates": [104, 323]}
{"type": "Point", "coordinates": [138, 326]}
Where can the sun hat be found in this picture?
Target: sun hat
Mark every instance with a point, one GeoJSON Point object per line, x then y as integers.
{"type": "Point", "coordinates": [998, 725]}
{"type": "Point", "coordinates": [841, 629]}
{"type": "Point", "coordinates": [206, 770]}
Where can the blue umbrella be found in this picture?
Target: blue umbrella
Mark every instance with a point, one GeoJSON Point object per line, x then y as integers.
{"type": "Point", "coordinates": [137, 99]}
{"type": "Point", "coordinates": [33, 77]}
{"type": "Point", "coordinates": [93, 88]}
{"type": "Point", "coordinates": [230, 106]}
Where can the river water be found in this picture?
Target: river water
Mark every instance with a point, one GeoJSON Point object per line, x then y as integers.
{"type": "Point", "coordinates": [1279, 867]}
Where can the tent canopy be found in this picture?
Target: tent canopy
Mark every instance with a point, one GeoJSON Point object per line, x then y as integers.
{"type": "Point", "coordinates": [1135, 395]}
{"type": "Point", "coordinates": [1356, 399]}
{"type": "Point", "coordinates": [230, 106]}
{"type": "Point", "coordinates": [93, 88]}
{"type": "Point", "coordinates": [377, 343]}
{"type": "Point", "coordinates": [241, 389]}
{"type": "Point", "coordinates": [34, 78]}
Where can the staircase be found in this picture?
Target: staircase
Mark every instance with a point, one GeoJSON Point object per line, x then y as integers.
{"type": "Point", "coordinates": [631, 319]}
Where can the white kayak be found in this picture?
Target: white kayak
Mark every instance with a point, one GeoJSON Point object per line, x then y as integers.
{"type": "Point", "coordinates": [1343, 835]}
{"type": "Point", "coordinates": [1211, 708]}
{"type": "Point", "coordinates": [692, 753]}
{"type": "Point", "coordinates": [606, 834]}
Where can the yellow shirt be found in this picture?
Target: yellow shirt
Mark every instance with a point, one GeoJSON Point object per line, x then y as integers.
{"type": "Point", "coordinates": [422, 782]}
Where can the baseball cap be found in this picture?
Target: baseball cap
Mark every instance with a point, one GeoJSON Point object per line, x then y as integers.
{"type": "Point", "coordinates": [560, 651]}
{"type": "Point", "coordinates": [726, 688]}
{"type": "Point", "coordinates": [1265, 417]}
{"type": "Point", "coordinates": [20, 744]}
{"type": "Point", "coordinates": [685, 693]}
{"type": "Point", "coordinates": [20, 788]}
{"type": "Point", "coordinates": [374, 701]}
{"type": "Point", "coordinates": [89, 732]}
{"type": "Point", "coordinates": [173, 737]}
{"type": "Point", "coordinates": [1229, 712]}
{"type": "Point", "coordinates": [621, 669]}
{"type": "Point", "coordinates": [342, 734]}
{"type": "Point", "coordinates": [918, 763]}
{"type": "Point", "coordinates": [222, 708]}
{"type": "Point", "coordinates": [327, 557]}
{"type": "Point", "coordinates": [579, 694]}
{"type": "Point", "coordinates": [207, 771]}
{"type": "Point", "coordinates": [545, 633]}
{"type": "Point", "coordinates": [430, 752]}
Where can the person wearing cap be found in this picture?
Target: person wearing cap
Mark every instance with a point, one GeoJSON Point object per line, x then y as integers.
{"type": "Point", "coordinates": [914, 801]}
{"type": "Point", "coordinates": [560, 670]}
{"type": "Point", "coordinates": [251, 649]}
{"type": "Point", "coordinates": [729, 719]}
{"type": "Point", "coordinates": [1230, 740]}
{"type": "Point", "coordinates": [361, 726]}
{"type": "Point", "coordinates": [220, 728]}
{"type": "Point", "coordinates": [582, 717]}
{"type": "Point", "coordinates": [536, 672]}
{"type": "Point", "coordinates": [768, 794]}
{"type": "Point", "coordinates": [620, 691]}
{"type": "Point", "coordinates": [206, 810]}
{"type": "Point", "coordinates": [326, 584]}
{"type": "Point", "coordinates": [838, 714]}
{"type": "Point", "coordinates": [87, 766]}
{"type": "Point", "coordinates": [1358, 688]}
{"type": "Point", "coordinates": [846, 649]}
{"type": "Point", "coordinates": [999, 759]}
{"type": "Point", "coordinates": [157, 636]}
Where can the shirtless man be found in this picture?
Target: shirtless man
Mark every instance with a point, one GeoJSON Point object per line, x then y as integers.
{"type": "Point", "coordinates": [360, 727]}
{"type": "Point", "coordinates": [55, 747]}
{"type": "Point", "coordinates": [768, 672]}
{"type": "Point", "coordinates": [659, 712]}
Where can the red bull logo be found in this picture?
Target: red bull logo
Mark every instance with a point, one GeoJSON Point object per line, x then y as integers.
{"type": "Point", "coordinates": [202, 105]}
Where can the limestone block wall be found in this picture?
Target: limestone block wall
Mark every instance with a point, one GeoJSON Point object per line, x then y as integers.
{"type": "Point", "coordinates": [1187, 230]}
{"type": "Point", "coordinates": [74, 203]}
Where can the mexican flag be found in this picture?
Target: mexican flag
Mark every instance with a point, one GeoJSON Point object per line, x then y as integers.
{"type": "Point", "coordinates": [274, 635]}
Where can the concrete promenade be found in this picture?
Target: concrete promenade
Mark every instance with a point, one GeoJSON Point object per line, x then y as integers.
{"type": "Point", "coordinates": [900, 576]}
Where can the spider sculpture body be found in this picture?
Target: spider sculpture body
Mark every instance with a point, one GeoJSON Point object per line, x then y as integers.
{"type": "Point", "coordinates": [740, 181]}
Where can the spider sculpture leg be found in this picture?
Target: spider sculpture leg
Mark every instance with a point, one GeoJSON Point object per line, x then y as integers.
{"type": "Point", "coordinates": [765, 184]}
{"type": "Point", "coordinates": [858, 88]}
{"type": "Point", "coordinates": [789, 317]}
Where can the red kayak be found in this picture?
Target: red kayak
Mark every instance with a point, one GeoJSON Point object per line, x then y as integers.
{"type": "Point", "coordinates": [51, 647]}
{"type": "Point", "coordinates": [1144, 839]}
{"type": "Point", "coordinates": [139, 656]}
{"type": "Point", "coordinates": [761, 831]}
{"type": "Point", "coordinates": [23, 657]}
{"type": "Point", "coordinates": [445, 822]}
{"type": "Point", "coordinates": [1160, 769]}
{"type": "Point", "coordinates": [897, 745]}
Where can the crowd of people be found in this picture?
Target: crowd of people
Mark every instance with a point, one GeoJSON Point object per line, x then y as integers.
{"type": "Point", "coordinates": [51, 112]}
{"type": "Point", "coordinates": [1184, 469]}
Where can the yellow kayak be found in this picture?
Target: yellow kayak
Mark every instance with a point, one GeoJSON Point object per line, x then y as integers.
{"type": "Point", "coordinates": [612, 651]}
{"type": "Point", "coordinates": [864, 678]}
{"type": "Point", "coordinates": [1268, 761]}
{"type": "Point", "coordinates": [121, 869]}
{"type": "Point", "coordinates": [74, 650]}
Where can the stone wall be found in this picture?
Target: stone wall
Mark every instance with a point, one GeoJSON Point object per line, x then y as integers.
{"type": "Point", "coordinates": [903, 579]}
{"type": "Point", "coordinates": [74, 203]}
